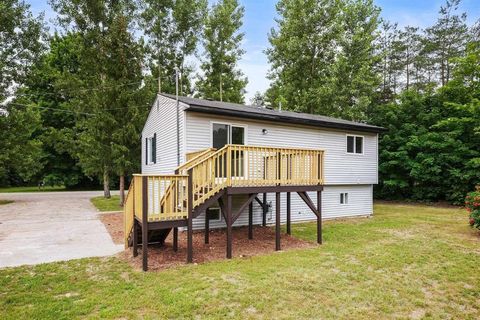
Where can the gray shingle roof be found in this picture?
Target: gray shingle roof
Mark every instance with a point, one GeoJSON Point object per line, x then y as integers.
{"type": "Point", "coordinates": [260, 113]}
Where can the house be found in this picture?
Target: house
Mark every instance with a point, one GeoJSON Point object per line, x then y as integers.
{"type": "Point", "coordinates": [247, 165]}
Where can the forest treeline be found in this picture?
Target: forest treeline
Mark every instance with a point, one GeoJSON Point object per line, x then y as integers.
{"type": "Point", "coordinates": [75, 100]}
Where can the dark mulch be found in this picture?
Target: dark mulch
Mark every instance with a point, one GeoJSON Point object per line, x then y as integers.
{"type": "Point", "coordinates": [114, 224]}
{"type": "Point", "coordinates": [163, 257]}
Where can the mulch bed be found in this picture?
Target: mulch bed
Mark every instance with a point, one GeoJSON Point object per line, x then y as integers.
{"type": "Point", "coordinates": [114, 224]}
{"type": "Point", "coordinates": [163, 257]}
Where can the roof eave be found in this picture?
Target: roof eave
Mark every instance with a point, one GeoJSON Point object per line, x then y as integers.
{"type": "Point", "coordinates": [311, 122]}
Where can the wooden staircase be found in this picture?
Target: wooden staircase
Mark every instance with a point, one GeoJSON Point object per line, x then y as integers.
{"type": "Point", "coordinates": [163, 202]}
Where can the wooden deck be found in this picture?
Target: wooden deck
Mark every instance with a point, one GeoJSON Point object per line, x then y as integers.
{"type": "Point", "coordinates": [212, 176]}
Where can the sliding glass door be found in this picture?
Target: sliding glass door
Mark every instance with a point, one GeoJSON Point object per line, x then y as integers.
{"type": "Point", "coordinates": [223, 134]}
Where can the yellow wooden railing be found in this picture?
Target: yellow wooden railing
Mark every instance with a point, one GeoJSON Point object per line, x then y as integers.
{"type": "Point", "coordinates": [194, 154]}
{"type": "Point", "coordinates": [251, 166]}
{"type": "Point", "coordinates": [212, 170]}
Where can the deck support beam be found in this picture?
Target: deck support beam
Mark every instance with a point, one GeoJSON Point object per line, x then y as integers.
{"type": "Point", "coordinates": [265, 208]}
{"type": "Point", "coordinates": [250, 220]}
{"type": "Point", "coordinates": [207, 227]}
{"type": "Point", "coordinates": [144, 223]}
{"type": "Point", "coordinates": [289, 218]}
{"type": "Point", "coordinates": [175, 239]}
{"type": "Point", "coordinates": [229, 221]}
{"type": "Point", "coordinates": [277, 221]}
{"type": "Point", "coordinates": [190, 218]}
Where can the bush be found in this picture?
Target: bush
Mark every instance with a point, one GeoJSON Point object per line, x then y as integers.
{"type": "Point", "coordinates": [472, 204]}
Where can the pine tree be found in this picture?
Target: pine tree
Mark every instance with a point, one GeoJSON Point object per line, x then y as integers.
{"type": "Point", "coordinates": [221, 79]}
{"type": "Point", "coordinates": [446, 39]}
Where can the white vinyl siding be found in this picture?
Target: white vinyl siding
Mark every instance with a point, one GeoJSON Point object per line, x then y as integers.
{"type": "Point", "coordinates": [340, 168]}
{"type": "Point", "coordinates": [162, 121]}
{"type": "Point", "coordinates": [359, 204]}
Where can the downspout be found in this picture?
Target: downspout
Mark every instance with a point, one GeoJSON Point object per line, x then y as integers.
{"type": "Point", "coordinates": [178, 116]}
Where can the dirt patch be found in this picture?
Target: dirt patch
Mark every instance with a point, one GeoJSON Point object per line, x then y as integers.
{"type": "Point", "coordinates": [263, 242]}
{"type": "Point", "coordinates": [114, 224]}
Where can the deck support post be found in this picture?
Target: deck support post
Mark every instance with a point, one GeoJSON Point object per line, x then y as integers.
{"type": "Point", "coordinates": [289, 218]}
{"type": "Point", "coordinates": [175, 239]}
{"type": "Point", "coordinates": [319, 217]}
{"type": "Point", "coordinates": [229, 226]}
{"type": "Point", "coordinates": [144, 223]}
{"type": "Point", "coordinates": [277, 221]}
{"type": "Point", "coordinates": [207, 227]}
{"type": "Point", "coordinates": [135, 237]}
{"type": "Point", "coordinates": [264, 214]}
{"type": "Point", "coordinates": [250, 221]}
{"type": "Point", "coordinates": [190, 218]}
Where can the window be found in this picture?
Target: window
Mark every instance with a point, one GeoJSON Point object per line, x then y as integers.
{"type": "Point", "coordinates": [151, 149]}
{"type": "Point", "coordinates": [354, 144]}
{"type": "Point", "coordinates": [344, 198]}
{"type": "Point", "coordinates": [213, 214]}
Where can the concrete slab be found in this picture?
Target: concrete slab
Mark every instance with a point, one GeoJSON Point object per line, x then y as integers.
{"type": "Point", "coordinates": [51, 226]}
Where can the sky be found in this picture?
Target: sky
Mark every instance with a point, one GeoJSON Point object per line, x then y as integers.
{"type": "Point", "coordinates": [260, 15]}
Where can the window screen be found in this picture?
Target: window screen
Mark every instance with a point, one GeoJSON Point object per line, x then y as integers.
{"type": "Point", "coordinates": [350, 144]}
{"type": "Point", "coordinates": [358, 144]}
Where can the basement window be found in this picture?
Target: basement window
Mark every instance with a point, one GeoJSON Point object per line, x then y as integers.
{"type": "Point", "coordinates": [354, 144]}
{"type": "Point", "coordinates": [214, 214]}
{"type": "Point", "coordinates": [344, 198]}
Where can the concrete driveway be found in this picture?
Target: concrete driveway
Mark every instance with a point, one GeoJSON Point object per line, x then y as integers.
{"type": "Point", "coordinates": [51, 226]}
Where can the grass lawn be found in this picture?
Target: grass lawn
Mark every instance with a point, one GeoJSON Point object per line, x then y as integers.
{"type": "Point", "coordinates": [405, 262]}
{"type": "Point", "coordinates": [32, 189]}
{"type": "Point", "coordinates": [5, 201]}
{"type": "Point", "coordinates": [103, 204]}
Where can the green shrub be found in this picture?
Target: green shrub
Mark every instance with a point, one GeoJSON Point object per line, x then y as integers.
{"type": "Point", "coordinates": [472, 204]}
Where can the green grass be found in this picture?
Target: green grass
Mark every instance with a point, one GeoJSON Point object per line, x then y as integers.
{"type": "Point", "coordinates": [6, 201]}
{"type": "Point", "coordinates": [32, 189]}
{"type": "Point", "coordinates": [405, 262]}
{"type": "Point", "coordinates": [103, 204]}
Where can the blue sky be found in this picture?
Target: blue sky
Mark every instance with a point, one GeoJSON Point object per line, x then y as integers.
{"type": "Point", "coordinates": [259, 19]}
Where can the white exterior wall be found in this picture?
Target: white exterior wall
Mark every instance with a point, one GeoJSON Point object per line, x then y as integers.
{"type": "Point", "coordinates": [344, 172]}
{"type": "Point", "coordinates": [359, 204]}
{"type": "Point", "coordinates": [340, 167]}
{"type": "Point", "coordinates": [162, 120]}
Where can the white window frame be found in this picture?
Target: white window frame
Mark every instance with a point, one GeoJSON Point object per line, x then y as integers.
{"type": "Point", "coordinates": [231, 124]}
{"type": "Point", "coordinates": [219, 214]}
{"type": "Point", "coordinates": [344, 196]}
{"type": "Point", "coordinates": [149, 147]}
{"type": "Point", "coordinates": [354, 144]}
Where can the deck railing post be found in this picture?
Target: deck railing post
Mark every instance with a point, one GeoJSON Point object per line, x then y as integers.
{"type": "Point", "coordinates": [229, 166]}
{"type": "Point", "coordinates": [320, 167]}
{"type": "Point", "coordinates": [279, 168]}
{"type": "Point", "coordinates": [190, 217]}
{"type": "Point", "coordinates": [145, 223]}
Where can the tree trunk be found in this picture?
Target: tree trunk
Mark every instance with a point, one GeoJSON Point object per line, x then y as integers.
{"type": "Point", "coordinates": [122, 189]}
{"type": "Point", "coordinates": [106, 184]}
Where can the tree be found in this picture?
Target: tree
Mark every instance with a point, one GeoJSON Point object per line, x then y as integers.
{"type": "Point", "coordinates": [302, 53]}
{"type": "Point", "coordinates": [221, 80]}
{"type": "Point", "coordinates": [354, 78]}
{"type": "Point", "coordinates": [20, 43]}
{"type": "Point", "coordinates": [20, 153]}
{"type": "Point", "coordinates": [107, 88]}
{"type": "Point", "coordinates": [258, 99]}
{"type": "Point", "coordinates": [58, 121]}
{"type": "Point", "coordinates": [173, 28]}
{"type": "Point", "coordinates": [446, 39]}
{"type": "Point", "coordinates": [322, 56]}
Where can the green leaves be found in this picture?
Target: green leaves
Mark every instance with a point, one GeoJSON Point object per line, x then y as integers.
{"type": "Point", "coordinates": [221, 79]}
